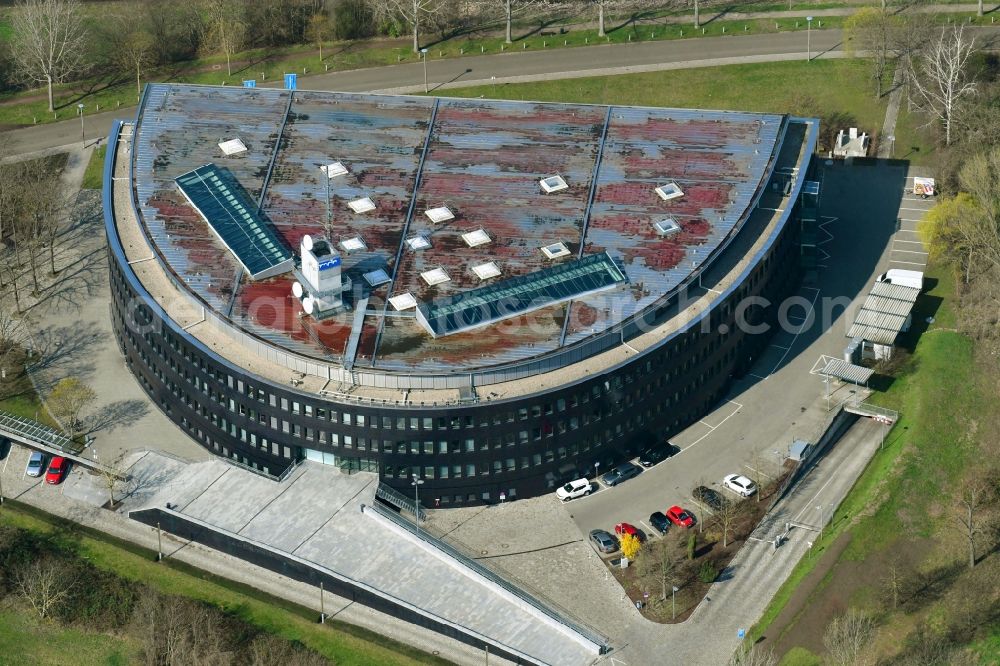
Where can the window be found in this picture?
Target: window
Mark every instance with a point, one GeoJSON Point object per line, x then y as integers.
{"type": "Point", "coordinates": [443, 472]}
{"type": "Point", "coordinates": [428, 423]}
{"type": "Point", "coordinates": [470, 470]}
{"type": "Point", "coordinates": [346, 419]}
{"type": "Point", "coordinates": [296, 408]}
{"type": "Point", "coordinates": [361, 420]}
{"type": "Point", "coordinates": [470, 445]}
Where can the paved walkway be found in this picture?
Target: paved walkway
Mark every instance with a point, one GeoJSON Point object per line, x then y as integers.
{"type": "Point", "coordinates": [887, 139]}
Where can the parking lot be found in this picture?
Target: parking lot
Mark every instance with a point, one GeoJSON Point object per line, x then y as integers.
{"type": "Point", "coordinates": [751, 430]}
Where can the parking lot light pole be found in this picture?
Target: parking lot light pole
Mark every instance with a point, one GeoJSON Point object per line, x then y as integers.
{"type": "Point", "coordinates": [673, 601]}
{"type": "Point", "coordinates": [597, 472]}
{"type": "Point", "coordinates": [416, 495]}
{"type": "Point", "coordinates": [820, 509]}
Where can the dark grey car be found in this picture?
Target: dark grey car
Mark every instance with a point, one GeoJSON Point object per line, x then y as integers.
{"type": "Point", "coordinates": [603, 541]}
{"type": "Point", "coordinates": [623, 472]}
{"type": "Point", "coordinates": [710, 498]}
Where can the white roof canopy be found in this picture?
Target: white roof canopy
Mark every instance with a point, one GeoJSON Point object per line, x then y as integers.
{"type": "Point", "coordinates": [404, 301]}
{"type": "Point", "coordinates": [487, 270]}
{"type": "Point", "coordinates": [553, 184]}
{"type": "Point", "coordinates": [362, 205]}
{"type": "Point", "coordinates": [435, 276]}
{"type": "Point", "coordinates": [333, 170]}
{"type": "Point", "coordinates": [233, 147]}
{"type": "Point", "coordinates": [439, 214]}
{"type": "Point", "coordinates": [669, 191]}
{"type": "Point", "coordinates": [555, 250]}
{"type": "Point", "coordinates": [475, 238]}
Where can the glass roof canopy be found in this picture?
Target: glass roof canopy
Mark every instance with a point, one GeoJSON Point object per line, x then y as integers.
{"type": "Point", "coordinates": [231, 213]}
{"type": "Point", "coordinates": [518, 295]}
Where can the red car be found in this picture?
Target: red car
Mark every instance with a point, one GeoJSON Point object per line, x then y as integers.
{"type": "Point", "coordinates": [680, 517]}
{"type": "Point", "coordinates": [56, 471]}
{"type": "Point", "coordinates": [626, 528]}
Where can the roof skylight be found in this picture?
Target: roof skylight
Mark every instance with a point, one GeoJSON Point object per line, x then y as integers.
{"type": "Point", "coordinates": [667, 227]}
{"type": "Point", "coordinates": [487, 270]}
{"type": "Point", "coordinates": [555, 250]}
{"type": "Point", "coordinates": [553, 184]}
{"type": "Point", "coordinates": [333, 170]}
{"type": "Point", "coordinates": [376, 277]}
{"type": "Point", "coordinates": [669, 191]}
{"type": "Point", "coordinates": [476, 238]}
{"type": "Point", "coordinates": [439, 214]}
{"type": "Point", "coordinates": [404, 301]}
{"type": "Point", "coordinates": [353, 244]}
{"type": "Point", "coordinates": [233, 147]}
{"type": "Point", "coordinates": [362, 205]}
{"type": "Point", "coordinates": [418, 243]}
{"type": "Point", "coordinates": [435, 276]}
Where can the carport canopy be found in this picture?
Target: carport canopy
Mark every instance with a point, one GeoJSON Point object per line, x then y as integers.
{"type": "Point", "coordinates": [884, 313]}
{"type": "Point", "coordinates": [856, 374]}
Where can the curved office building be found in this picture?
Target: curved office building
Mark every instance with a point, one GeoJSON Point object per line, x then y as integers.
{"type": "Point", "coordinates": [491, 296]}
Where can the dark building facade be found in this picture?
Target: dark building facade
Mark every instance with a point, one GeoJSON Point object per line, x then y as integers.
{"type": "Point", "coordinates": [478, 452]}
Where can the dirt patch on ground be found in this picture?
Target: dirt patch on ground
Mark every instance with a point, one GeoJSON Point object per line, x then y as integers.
{"type": "Point", "coordinates": [835, 584]}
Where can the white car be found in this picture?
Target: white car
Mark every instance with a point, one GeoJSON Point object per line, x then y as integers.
{"type": "Point", "coordinates": [573, 489]}
{"type": "Point", "coordinates": [740, 485]}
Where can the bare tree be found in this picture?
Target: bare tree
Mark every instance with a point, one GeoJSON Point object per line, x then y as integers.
{"type": "Point", "coordinates": [657, 566]}
{"type": "Point", "coordinates": [43, 583]}
{"type": "Point", "coordinates": [271, 650]}
{"type": "Point", "coordinates": [67, 401]}
{"type": "Point", "coordinates": [135, 53]}
{"type": "Point", "coordinates": [727, 514]}
{"type": "Point", "coordinates": [697, 18]}
{"type": "Point", "coordinates": [114, 477]}
{"type": "Point", "coordinates": [873, 31]}
{"type": "Point", "coordinates": [892, 582]}
{"type": "Point", "coordinates": [751, 654]}
{"type": "Point", "coordinates": [975, 495]}
{"type": "Point", "coordinates": [413, 12]}
{"type": "Point", "coordinates": [225, 28]}
{"type": "Point", "coordinates": [47, 41]}
{"type": "Point", "coordinates": [318, 30]}
{"type": "Point", "coordinates": [940, 79]}
{"type": "Point", "coordinates": [175, 630]}
{"type": "Point", "coordinates": [847, 638]}
{"type": "Point", "coordinates": [600, 16]}
{"type": "Point", "coordinates": [510, 8]}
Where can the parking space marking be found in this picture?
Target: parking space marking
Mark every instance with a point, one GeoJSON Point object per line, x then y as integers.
{"type": "Point", "coordinates": [812, 310]}
{"type": "Point", "coordinates": [778, 346]}
{"type": "Point", "coordinates": [900, 240]}
{"type": "Point", "coordinates": [758, 471]}
{"type": "Point", "coordinates": [650, 532]}
{"type": "Point", "coordinates": [922, 210]}
{"type": "Point", "coordinates": [909, 263]}
{"type": "Point", "coordinates": [909, 251]}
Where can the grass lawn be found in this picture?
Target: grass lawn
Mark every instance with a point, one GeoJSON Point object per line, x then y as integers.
{"type": "Point", "coordinates": [95, 169]}
{"type": "Point", "coordinates": [26, 640]}
{"type": "Point", "coordinates": [345, 644]}
{"type": "Point", "coordinates": [781, 87]}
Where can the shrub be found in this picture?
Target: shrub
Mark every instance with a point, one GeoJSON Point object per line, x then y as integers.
{"type": "Point", "coordinates": [708, 572]}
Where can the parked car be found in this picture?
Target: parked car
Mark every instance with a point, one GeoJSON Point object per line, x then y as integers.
{"type": "Point", "coordinates": [623, 472]}
{"type": "Point", "coordinates": [57, 470]}
{"type": "Point", "coordinates": [5, 445]}
{"type": "Point", "coordinates": [713, 499]}
{"type": "Point", "coordinates": [628, 528]}
{"type": "Point", "coordinates": [573, 489]}
{"type": "Point", "coordinates": [655, 454]}
{"type": "Point", "coordinates": [36, 464]}
{"type": "Point", "coordinates": [658, 521]}
{"type": "Point", "coordinates": [680, 517]}
{"type": "Point", "coordinates": [603, 541]}
{"type": "Point", "coordinates": [740, 485]}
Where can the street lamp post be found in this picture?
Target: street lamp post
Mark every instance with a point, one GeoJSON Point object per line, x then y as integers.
{"type": "Point", "coordinates": [416, 495]}
{"type": "Point", "coordinates": [423, 53]}
{"type": "Point", "coordinates": [777, 458]}
{"type": "Point", "coordinates": [809, 23]}
{"type": "Point", "coordinates": [83, 136]}
{"type": "Point", "coordinates": [673, 601]}
{"type": "Point", "coordinates": [820, 509]}
{"type": "Point", "coordinates": [597, 472]}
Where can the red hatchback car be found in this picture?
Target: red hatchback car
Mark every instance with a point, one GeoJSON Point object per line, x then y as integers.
{"type": "Point", "coordinates": [56, 471]}
{"type": "Point", "coordinates": [627, 528]}
{"type": "Point", "coordinates": [680, 517]}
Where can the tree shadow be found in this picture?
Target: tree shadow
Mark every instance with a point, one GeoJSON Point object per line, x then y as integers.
{"type": "Point", "coordinates": [63, 351]}
{"type": "Point", "coordinates": [121, 413]}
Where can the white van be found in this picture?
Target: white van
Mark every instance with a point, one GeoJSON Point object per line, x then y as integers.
{"type": "Point", "coordinates": [903, 277]}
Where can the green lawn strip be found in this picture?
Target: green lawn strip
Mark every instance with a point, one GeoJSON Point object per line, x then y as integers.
{"type": "Point", "coordinates": [779, 87]}
{"type": "Point", "coordinates": [93, 176]}
{"type": "Point", "coordinates": [345, 643]}
{"type": "Point", "coordinates": [799, 656]}
{"type": "Point", "coordinates": [24, 639]}
{"type": "Point", "coordinates": [119, 92]}
{"type": "Point", "coordinates": [920, 454]}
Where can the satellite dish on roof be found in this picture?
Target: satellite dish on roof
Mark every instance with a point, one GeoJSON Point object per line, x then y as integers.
{"type": "Point", "coordinates": [307, 242]}
{"type": "Point", "coordinates": [297, 289]}
{"type": "Point", "coordinates": [308, 304]}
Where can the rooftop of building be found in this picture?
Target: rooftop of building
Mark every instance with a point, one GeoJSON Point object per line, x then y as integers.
{"type": "Point", "coordinates": [483, 160]}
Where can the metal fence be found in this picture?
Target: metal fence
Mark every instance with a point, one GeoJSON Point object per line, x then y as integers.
{"type": "Point", "coordinates": [393, 497]}
{"type": "Point", "coordinates": [586, 632]}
